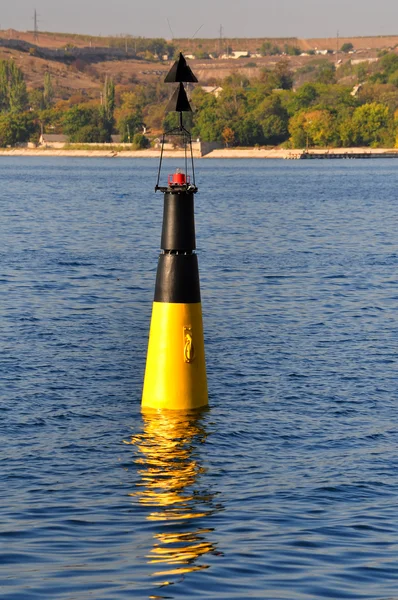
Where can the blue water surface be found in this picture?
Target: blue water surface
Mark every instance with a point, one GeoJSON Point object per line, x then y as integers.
{"type": "Point", "coordinates": [287, 487]}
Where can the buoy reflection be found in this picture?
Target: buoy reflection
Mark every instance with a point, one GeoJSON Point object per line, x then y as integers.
{"type": "Point", "coordinates": [170, 471]}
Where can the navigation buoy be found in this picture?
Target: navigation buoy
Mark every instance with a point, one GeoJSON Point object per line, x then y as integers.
{"type": "Point", "coordinates": [175, 374]}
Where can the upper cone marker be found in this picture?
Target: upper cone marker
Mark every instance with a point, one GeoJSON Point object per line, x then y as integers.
{"type": "Point", "coordinates": [179, 101]}
{"type": "Point", "coordinates": [180, 72]}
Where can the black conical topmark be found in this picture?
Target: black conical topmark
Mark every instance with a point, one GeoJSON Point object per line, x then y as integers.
{"type": "Point", "coordinates": [180, 72]}
{"type": "Point", "coordinates": [179, 101]}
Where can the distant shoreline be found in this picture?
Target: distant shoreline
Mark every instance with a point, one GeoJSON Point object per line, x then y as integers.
{"type": "Point", "coordinates": [257, 153]}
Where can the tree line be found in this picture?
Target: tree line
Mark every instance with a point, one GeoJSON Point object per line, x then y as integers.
{"type": "Point", "coordinates": [317, 106]}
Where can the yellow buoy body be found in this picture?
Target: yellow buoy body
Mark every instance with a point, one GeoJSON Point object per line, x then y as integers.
{"type": "Point", "coordinates": [175, 374]}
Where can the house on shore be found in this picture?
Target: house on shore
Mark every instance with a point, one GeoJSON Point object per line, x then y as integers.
{"type": "Point", "coordinates": [56, 140]}
{"type": "Point", "coordinates": [211, 89]}
{"type": "Point", "coordinates": [236, 54]}
{"type": "Point", "coordinates": [52, 140]}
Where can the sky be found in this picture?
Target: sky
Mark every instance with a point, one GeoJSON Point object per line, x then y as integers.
{"type": "Point", "coordinates": [182, 18]}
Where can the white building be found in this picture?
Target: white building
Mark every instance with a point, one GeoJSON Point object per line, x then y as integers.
{"type": "Point", "coordinates": [237, 54]}
{"type": "Point", "coordinates": [52, 140]}
{"type": "Point", "coordinates": [210, 89]}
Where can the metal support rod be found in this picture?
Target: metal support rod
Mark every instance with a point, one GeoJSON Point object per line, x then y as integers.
{"type": "Point", "coordinates": [193, 167]}
{"type": "Point", "coordinates": [160, 163]}
{"type": "Point", "coordinates": [185, 153]}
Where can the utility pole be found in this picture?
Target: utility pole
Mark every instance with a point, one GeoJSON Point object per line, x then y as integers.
{"type": "Point", "coordinates": [337, 46]}
{"type": "Point", "coordinates": [35, 27]}
{"type": "Point", "coordinates": [220, 41]}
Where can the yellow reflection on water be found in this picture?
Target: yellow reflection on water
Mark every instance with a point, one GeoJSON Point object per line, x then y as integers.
{"type": "Point", "coordinates": [170, 485]}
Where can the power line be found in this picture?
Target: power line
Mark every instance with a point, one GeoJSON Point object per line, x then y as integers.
{"type": "Point", "coordinates": [192, 38]}
{"type": "Point", "coordinates": [171, 31]}
{"type": "Point", "coordinates": [197, 31]}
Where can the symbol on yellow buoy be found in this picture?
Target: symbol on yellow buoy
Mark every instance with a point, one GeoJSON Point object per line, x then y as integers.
{"type": "Point", "coordinates": [189, 348]}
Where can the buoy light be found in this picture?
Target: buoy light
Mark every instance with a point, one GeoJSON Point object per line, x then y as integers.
{"type": "Point", "coordinates": [178, 178]}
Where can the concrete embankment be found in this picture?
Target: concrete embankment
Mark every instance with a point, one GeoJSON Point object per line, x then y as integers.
{"type": "Point", "coordinates": [303, 154]}
{"type": "Point", "coordinates": [92, 153]}
{"type": "Point", "coordinates": [109, 153]}
{"type": "Point", "coordinates": [279, 153]}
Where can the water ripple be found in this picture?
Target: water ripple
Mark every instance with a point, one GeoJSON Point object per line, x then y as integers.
{"type": "Point", "coordinates": [287, 486]}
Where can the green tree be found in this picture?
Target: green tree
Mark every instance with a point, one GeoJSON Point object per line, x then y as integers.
{"type": "Point", "coordinates": [36, 100]}
{"type": "Point", "coordinates": [247, 131]}
{"type": "Point", "coordinates": [51, 118]}
{"type": "Point", "coordinates": [208, 123]}
{"type": "Point", "coordinates": [313, 128]}
{"type": "Point", "coordinates": [90, 134]}
{"type": "Point", "coordinates": [269, 80]}
{"type": "Point", "coordinates": [370, 124]}
{"type": "Point", "coordinates": [135, 100]}
{"type": "Point", "coordinates": [280, 77]}
{"type": "Point", "coordinates": [7, 137]}
{"type": "Point", "coordinates": [347, 47]}
{"type": "Point", "coordinates": [298, 135]}
{"type": "Point", "coordinates": [362, 71]}
{"type": "Point", "coordinates": [128, 124]}
{"type": "Point", "coordinates": [292, 50]}
{"type": "Point", "coordinates": [16, 128]}
{"type": "Point", "coordinates": [84, 124]}
{"type": "Point", "coordinates": [393, 79]}
{"type": "Point", "coordinates": [331, 96]}
{"type": "Point", "coordinates": [319, 125]}
{"type": "Point", "coordinates": [158, 47]}
{"type": "Point", "coordinates": [4, 101]}
{"type": "Point", "coordinates": [267, 49]}
{"type": "Point", "coordinates": [17, 94]}
{"type": "Point", "coordinates": [108, 99]}
{"type": "Point", "coordinates": [140, 141]}
{"type": "Point", "coordinates": [284, 74]}
{"type": "Point", "coordinates": [326, 73]}
{"type": "Point", "coordinates": [108, 108]}
{"type": "Point", "coordinates": [389, 63]}
{"type": "Point", "coordinates": [13, 94]}
{"type": "Point", "coordinates": [273, 118]}
{"type": "Point", "coordinates": [305, 97]}
{"type": "Point", "coordinates": [346, 132]}
{"type": "Point", "coordinates": [48, 93]}
{"type": "Point", "coordinates": [154, 116]}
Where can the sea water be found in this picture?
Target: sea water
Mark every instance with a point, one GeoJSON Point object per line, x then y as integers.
{"type": "Point", "coordinates": [287, 486]}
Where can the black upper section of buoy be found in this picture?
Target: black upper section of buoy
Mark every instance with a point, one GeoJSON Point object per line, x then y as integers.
{"type": "Point", "coordinates": [179, 101]}
{"type": "Point", "coordinates": [177, 279]}
{"type": "Point", "coordinates": [178, 231]}
{"type": "Point", "coordinates": [180, 72]}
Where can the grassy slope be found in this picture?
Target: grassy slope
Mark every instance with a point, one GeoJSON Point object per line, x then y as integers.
{"type": "Point", "coordinates": [87, 79]}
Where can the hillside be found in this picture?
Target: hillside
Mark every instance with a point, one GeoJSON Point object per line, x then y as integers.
{"type": "Point", "coordinates": [79, 64]}
{"type": "Point", "coordinates": [253, 45]}
{"type": "Point", "coordinates": [299, 93]}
